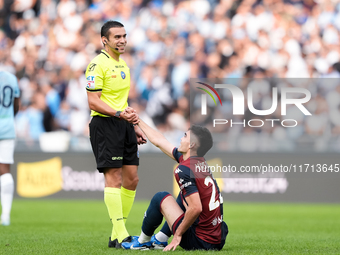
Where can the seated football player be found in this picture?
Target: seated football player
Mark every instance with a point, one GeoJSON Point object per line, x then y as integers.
{"type": "Point", "coordinates": [195, 218]}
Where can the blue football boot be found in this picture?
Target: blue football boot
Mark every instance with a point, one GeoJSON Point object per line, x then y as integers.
{"type": "Point", "coordinates": [136, 245]}
{"type": "Point", "coordinates": [157, 244]}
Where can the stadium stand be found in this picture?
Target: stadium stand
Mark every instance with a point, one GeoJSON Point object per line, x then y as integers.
{"type": "Point", "coordinates": [47, 43]}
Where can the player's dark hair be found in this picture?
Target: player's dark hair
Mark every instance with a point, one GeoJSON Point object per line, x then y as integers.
{"type": "Point", "coordinates": [204, 138]}
{"type": "Point", "coordinates": [105, 30]}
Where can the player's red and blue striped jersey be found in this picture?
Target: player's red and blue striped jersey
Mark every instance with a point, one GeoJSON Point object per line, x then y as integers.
{"type": "Point", "coordinates": [192, 175]}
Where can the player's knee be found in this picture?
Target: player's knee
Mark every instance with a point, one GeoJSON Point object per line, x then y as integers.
{"type": "Point", "coordinates": [135, 180]}
{"type": "Point", "coordinates": [131, 183]}
{"type": "Point", "coordinates": [4, 169]}
{"type": "Point", "coordinates": [113, 182]}
{"type": "Point", "coordinates": [158, 198]}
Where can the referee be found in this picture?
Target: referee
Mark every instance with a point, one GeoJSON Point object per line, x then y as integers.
{"type": "Point", "coordinates": [113, 136]}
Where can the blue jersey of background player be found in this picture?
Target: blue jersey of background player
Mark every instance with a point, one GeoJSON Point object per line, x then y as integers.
{"type": "Point", "coordinates": [9, 91]}
{"type": "Point", "coordinates": [9, 105]}
{"type": "Point", "coordinates": [196, 218]}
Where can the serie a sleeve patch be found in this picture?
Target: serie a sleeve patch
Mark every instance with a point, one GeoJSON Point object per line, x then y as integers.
{"type": "Point", "coordinates": [90, 84]}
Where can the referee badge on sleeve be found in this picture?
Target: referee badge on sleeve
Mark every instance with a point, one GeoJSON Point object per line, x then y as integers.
{"type": "Point", "coordinates": [90, 82]}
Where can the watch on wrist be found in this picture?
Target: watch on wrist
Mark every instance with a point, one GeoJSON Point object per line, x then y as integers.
{"type": "Point", "coordinates": [117, 115]}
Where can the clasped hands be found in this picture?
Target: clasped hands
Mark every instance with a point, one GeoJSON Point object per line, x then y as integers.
{"type": "Point", "coordinates": [130, 115]}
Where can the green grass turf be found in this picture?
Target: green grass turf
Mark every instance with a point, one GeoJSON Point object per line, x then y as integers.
{"type": "Point", "coordinates": [83, 227]}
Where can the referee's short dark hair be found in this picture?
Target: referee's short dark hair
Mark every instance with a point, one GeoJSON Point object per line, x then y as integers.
{"type": "Point", "coordinates": [204, 138]}
{"type": "Point", "coordinates": [105, 31]}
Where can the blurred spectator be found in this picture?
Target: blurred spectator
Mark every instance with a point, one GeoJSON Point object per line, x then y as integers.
{"type": "Point", "coordinates": [52, 98]}
{"type": "Point", "coordinates": [63, 116]}
{"type": "Point", "coordinates": [35, 116]}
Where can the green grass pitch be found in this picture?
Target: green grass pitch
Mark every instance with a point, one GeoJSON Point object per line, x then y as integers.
{"type": "Point", "coordinates": [83, 227]}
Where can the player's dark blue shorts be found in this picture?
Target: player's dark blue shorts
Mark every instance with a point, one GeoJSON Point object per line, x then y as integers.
{"type": "Point", "coordinates": [113, 142]}
{"type": "Point", "coordinates": [190, 241]}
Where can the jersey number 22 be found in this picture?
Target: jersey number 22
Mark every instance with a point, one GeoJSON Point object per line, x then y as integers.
{"type": "Point", "coordinates": [213, 204]}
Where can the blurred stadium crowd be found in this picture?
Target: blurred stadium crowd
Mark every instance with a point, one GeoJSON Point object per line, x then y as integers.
{"type": "Point", "coordinates": [48, 44]}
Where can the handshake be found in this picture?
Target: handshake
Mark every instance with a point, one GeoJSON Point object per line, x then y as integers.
{"type": "Point", "coordinates": [130, 115]}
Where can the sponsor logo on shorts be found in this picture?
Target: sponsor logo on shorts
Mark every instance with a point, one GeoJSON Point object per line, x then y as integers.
{"type": "Point", "coordinates": [117, 158]}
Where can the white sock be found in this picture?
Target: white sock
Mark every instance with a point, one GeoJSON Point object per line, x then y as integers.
{"type": "Point", "coordinates": [143, 238]}
{"type": "Point", "coordinates": [160, 236]}
{"type": "Point", "coordinates": [7, 190]}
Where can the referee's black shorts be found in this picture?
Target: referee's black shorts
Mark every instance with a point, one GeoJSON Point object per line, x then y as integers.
{"type": "Point", "coordinates": [113, 142]}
